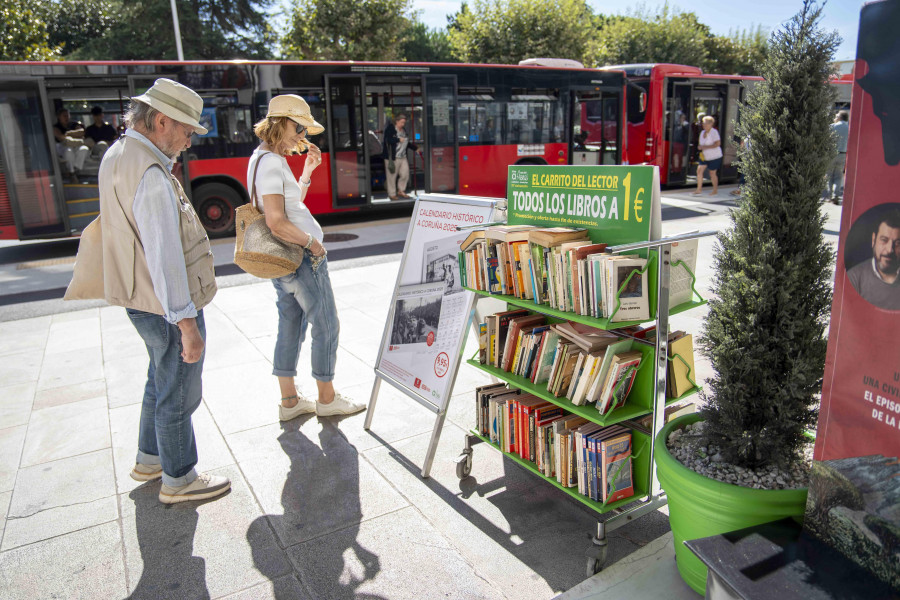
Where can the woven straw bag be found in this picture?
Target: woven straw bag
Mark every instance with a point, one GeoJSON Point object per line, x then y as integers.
{"type": "Point", "coordinates": [256, 250]}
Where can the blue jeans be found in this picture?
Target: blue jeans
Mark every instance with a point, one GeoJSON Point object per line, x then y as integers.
{"type": "Point", "coordinates": [171, 395]}
{"type": "Point", "coordinates": [305, 296]}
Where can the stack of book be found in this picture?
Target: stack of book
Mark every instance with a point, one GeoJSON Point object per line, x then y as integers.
{"type": "Point", "coordinates": [559, 267]}
{"type": "Point", "coordinates": [569, 448]}
{"type": "Point", "coordinates": [572, 360]}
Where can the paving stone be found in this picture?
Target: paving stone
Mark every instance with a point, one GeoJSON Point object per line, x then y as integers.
{"type": "Point", "coordinates": [85, 564]}
{"type": "Point", "coordinates": [309, 479]}
{"type": "Point", "coordinates": [15, 404]}
{"type": "Point", "coordinates": [357, 326]}
{"type": "Point", "coordinates": [198, 549]}
{"type": "Point", "coordinates": [124, 422]}
{"type": "Point", "coordinates": [364, 348]}
{"type": "Point", "coordinates": [5, 497]}
{"type": "Point", "coordinates": [67, 394]}
{"type": "Point", "coordinates": [85, 428]}
{"type": "Point", "coordinates": [524, 535]}
{"type": "Point", "coordinates": [396, 417]}
{"type": "Point", "coordinates": [74, 366]}
{"type": "Point", "coordinates": [74, 335]}
{"type": "Point", "coordinates": [243, 396]}
{"type": "Point", "coordinates": [282, 588]}
{"type": "Point", "coordinates": [259, 318]}
{"type": "Point", "coordinates": [125, 379]}
{"type": "Point", "coordinates": [386, 558]}
{"type": "Point", "coordinates": [55, 498]}
{"type": "Point", "coordinates": [228, 349]}
{"type": "Point", "coordinates": [12, 439]}
{"type": "Point", "coordinates": [23, 341]}
{"type": "Point", "coordinates": [75, 315]}
{"type": "Point", "coordinates": [122, 341]}
{"type": "Point", "coordinates": [21, 366]}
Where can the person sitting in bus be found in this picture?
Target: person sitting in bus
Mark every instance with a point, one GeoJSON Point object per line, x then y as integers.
{"type": "Point", "coordinates": [394, 153]}
{"type": "Point", "coordinates": [710, 146]}
{"type": "Point", "coordinates": [70, 143]}
{"type": "Point", "coordinates": [99, 135]}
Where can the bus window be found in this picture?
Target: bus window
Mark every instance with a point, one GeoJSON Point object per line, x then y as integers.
{"type": "Point", "coordinates": [27, 168]}
{"type": "Point", "coordinates": [637, 95]}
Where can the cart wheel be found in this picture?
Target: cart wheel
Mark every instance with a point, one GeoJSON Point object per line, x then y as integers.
{"type": "Point", "coordinates": [464, 465]}
{"type": "Point", "coordinates": [596, 558]}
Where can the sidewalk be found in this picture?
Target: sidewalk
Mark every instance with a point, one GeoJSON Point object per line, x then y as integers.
{"type": "Point", "coordinates": [319, 508]}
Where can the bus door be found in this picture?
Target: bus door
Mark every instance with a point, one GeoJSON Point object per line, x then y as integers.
{"type": "Point", "coordinates": [709, 100]}
{"type": "Point", "coordinates": [30, 185]}
{"type": "Point", "coordinates": [346, 130]}
{"type": "Point", "coordinates": [595, 128]}
{"type": "Point", "coordinates": [441, 141]}
{"type": "Point", "coordinates": [678, 132]}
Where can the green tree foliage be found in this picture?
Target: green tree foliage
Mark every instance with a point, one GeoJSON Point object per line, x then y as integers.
{"type": "Point", "coordinates": [23, 32]}
{"type": "Point", "coordinates": [666, 37]}
{"type": "Point", "coordinates": [507, 31]}
{"type": "Point", "coordinates": [765, 331]}
{"type": "Point", "coordinates": [671, 36]}
{"type": "Point", "coordinates": [210, 29]}
{"type": "Point", "coordinates": [426, 45]}
{"type": "Point", "coordinates": [738, 53]}
{"type": "Point", "coordinates": [347, 29]}
{"type": "Point", "coordinates": [71, 24]}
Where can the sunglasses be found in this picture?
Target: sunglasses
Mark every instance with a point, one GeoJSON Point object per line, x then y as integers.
{"type": "Point", "coordinates": [301, 129]}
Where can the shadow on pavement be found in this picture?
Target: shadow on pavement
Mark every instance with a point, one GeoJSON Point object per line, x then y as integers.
{"type": "Point", "coordinates": [321, 504]}
{"type": "Point", "coordinates": [165, 535]}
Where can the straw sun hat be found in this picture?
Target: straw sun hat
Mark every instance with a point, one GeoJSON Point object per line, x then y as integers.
{"type": "Point", "coordinates": [176, 102]}
{"type": "Point", "coordinates": [296, 109]}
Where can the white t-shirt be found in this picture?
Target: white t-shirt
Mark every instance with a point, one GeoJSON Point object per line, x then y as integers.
{"type": "Point", "coordinates": [710, 138]}
{"type": "Point", "coordinates": [275, 177]}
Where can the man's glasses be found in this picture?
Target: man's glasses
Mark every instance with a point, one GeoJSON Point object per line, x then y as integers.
{"type": "Point", "coordinates": [301, 129]}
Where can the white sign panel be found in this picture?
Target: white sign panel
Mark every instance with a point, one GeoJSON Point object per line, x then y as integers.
{"type": "Point", "coordinates": [429, 310]}
{"type": "Point", "coordinates": [517, 111]}
{"type": "Point", "coordinates": [440, 112]}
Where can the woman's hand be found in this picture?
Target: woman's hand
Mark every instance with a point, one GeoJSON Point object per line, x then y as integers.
{"type": "Point", "coordinates": [313, 158]}
{"type": "Point", "coordinates": [317, 249]}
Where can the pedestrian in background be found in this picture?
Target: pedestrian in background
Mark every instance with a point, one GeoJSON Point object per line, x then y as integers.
{"type": "Point", "coordinates": [834, 189]}
{"type": "Point", "coordinates": [396, 165]}
{"type": "Point", "coordinates": [304, 296]}
{"type": "Point", "coordinates": [157, 263]}
{"type": "Point", "coordinates": [710, 145]}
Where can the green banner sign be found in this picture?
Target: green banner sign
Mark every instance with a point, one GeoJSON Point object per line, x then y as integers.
{"type": "Point", "coordinates": [620, 204]}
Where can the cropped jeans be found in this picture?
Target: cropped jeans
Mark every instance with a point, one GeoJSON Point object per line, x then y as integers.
{"type": "Point", "coordinates": [171, 395]}
{"type": "Point", "coordinates": [305, 296]}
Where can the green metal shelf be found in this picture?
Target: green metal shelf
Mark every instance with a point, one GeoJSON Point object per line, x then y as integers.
{"type": "Point", "coordinates": [631, 410]}
{"type": "Point", "coordinates": [570, 316]}
{"type": "Point", "coordinates": [593, 504]}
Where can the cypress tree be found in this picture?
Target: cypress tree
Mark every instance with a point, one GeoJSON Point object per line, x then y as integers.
{"type": "Point", "coordinates": [765, 331]}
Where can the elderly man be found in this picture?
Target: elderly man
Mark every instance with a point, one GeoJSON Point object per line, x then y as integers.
{"type": "Point", "coordinates": [157, 263]}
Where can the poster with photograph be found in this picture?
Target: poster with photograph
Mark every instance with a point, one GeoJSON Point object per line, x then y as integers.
{"type": "Point", "coordinates": [854, 488]}
{"type": "Point", "coordinates": [430, 309]}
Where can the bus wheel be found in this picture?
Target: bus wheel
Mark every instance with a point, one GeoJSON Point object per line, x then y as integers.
{"type": "Point", "coordinates": [215, 204]}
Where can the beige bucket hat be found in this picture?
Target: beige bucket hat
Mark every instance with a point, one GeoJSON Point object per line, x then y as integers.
{"type": "Point", "coordinates": [176, 102]}
{"type": "Point", "coordinates": [296, 109]}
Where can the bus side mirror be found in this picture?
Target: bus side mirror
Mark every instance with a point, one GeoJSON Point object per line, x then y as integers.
{"type": "Point", "coordinates": [642, 101]}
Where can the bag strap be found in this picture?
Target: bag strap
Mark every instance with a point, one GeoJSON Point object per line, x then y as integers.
{"type": "Point", "coordinates": [253, 199]}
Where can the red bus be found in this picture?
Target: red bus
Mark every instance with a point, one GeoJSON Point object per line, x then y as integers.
{"type": "Point", "coordinates": [663, 105]}
{"type": "Point", "coordinates": [469, 121]}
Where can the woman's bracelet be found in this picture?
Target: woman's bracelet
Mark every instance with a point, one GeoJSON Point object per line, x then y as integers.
{"type": "Point", "coordinates": [306, 183]}
{"type": "Point", "coordinates": [309, 242]}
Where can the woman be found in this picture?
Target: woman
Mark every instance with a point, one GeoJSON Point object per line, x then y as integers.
{"type": "Point", "coordinates": [305, 295]}
{"type": "Point", "coordinates": [394, 150]}
{"type": "Point", "coordinates": [710, 146]}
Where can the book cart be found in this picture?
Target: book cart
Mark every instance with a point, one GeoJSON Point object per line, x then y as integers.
{"type": "Point", "coordinates": [648, 394]}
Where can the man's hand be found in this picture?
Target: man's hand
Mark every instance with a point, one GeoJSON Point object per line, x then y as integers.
{"type": "Point", "coordinates": [192, 343]}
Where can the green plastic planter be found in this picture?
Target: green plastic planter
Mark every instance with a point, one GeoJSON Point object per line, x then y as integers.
{"type": "Point", "coordinates": [700, 507]}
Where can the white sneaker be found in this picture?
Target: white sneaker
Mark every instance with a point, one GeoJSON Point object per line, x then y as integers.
{"type": "Point", "coordinates": [339, 406]}
{"type": "Point", "coordinates": [303, 406]}
{"type": "Point", "coordinates": [205, 486]}
{"type": "Point", "coordinates": [146, 472]}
